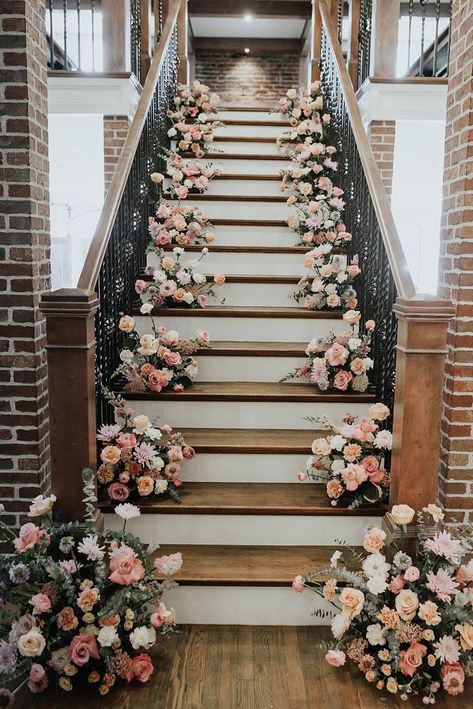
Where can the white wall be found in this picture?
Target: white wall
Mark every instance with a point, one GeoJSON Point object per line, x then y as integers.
{"type": "Point", "coordinates": [417, 196]}
{"type": "Point", "coordinates": [76, 191]}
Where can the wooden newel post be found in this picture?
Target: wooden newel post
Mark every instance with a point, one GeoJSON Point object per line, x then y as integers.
{"type": "Point", "coordinates": [353, 40]}
{"type": "Point", "coordinates": [420, 365]}
{"type": "Point", "coordinates": [116, 35]}
{"type": "Point", "coordinates": [316, 41]}
{"type": "Point", "coordinates": [70, 315]}
{"type": "Point", "coordinates": [384, 38]}
{"type": "Point", "coordinates": [182, 31]}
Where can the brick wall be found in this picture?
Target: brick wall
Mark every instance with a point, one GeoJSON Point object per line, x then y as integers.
{"type": "Point", "coordinates": [382, 136]}
{"type": "Point", "coordinates": [115, 131]}
{"type": "Point", "coordinates": [248, 80]}
{"type": "Point", "coordinates": [24, 253]}
{"type": "Point", "coordinates": [456, 272]}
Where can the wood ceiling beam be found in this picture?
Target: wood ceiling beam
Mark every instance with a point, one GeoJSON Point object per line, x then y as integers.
{"type": "Point", "coordinates": [259, 8]}
{"type": "Point", "coordinates": [236, 45]}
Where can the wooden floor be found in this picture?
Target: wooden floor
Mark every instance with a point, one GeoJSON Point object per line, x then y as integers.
{"type": "Point", "coordinates": [231, 667]}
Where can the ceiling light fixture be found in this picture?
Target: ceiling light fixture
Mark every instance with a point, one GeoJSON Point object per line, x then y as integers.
{"type": "Point", "coordinates": [248, 17]}
{"type": "Point", "coordinates": [247, 50]}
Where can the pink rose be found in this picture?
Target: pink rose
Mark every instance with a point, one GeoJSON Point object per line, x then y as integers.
{"type": "Point", "coordinates": [172, 359]}
{"type": "Point", "coordinates": [29, 535]}
{"type": "Point", "coordinates": [203, 337]}
{"type": "Point", "coordinates": [353, 476]}
{"type": "Point", "coordinates": [158, 380]}
{"type": "Point", "coordinates": [41, 603]}
{"type": "Point", "coordinates": [163, 616]}
{"type": "Point", "coordinates": [453, 677]}
{"type": "Point", "coordinates": [298, 584]}
{"type": "Point", "coordinates": [336, 355]}
{"type": "Point", "coordinates": [124, 477]}
{"type": "Point", "coordinates": [325, 184]}
{"type": "Point", "coordinates": [370, 464]}
{"type": "Point", "coordinates": [118, 492]}
{"type": "Point", "coordinates": [140, 286]}
{"type": "Point", "coordinates": [342, 380]}
{"type": "Point", "coordinates": [125, 566]}
{"type": "Point", "coordinates": [188, 452]}
{"type": "Point", "coordinates": [37, 672]}
{"type": "Point", "coordinates": [377, 476]}
{"type": "Point", "coordinates": [142, 667]}
{"type": "Point", "coordinates": [181, 192]}
{"type": "Point", "coordinates": [82, 648]}
{"type": "Point", "coordinates": [396, 585]}
{"type": "Point", "coordinates": [175, 454]}
{"type": "Point", "coordinates": [126, 440]}
{"type": "Point", "coordinates": [412, 574]}
{"type": "Point", "coordinates": [411, 659]}
{"type": "Point", "coordinates": [335, 658]}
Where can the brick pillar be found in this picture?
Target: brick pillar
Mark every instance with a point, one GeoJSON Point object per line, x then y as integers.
{"type": "Point", "coordinates": [115, 131]}
{"type": "Point", "coordinates": [24, 253]}
{"type": "Point", "coordinates": [382, 136]}
{"type": "Point", "coordinates": [456, 272]}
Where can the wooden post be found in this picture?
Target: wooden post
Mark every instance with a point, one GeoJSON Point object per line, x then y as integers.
{"type": "Point", "coordinates": [182, 30]}
{"type": "Point", "coordinates": [116, 35]}
{"type": "Point", "coordinates": [384, 38]}
{"type": "Point", "coordinates": [353, 40]}
{"type": "Point", "coordinates": [70, 315]}
{"type": "Point", "coordinates": [420, 364]}
{"type": "Point", "coordinates": [316, 39]}
{"type": "Point", "coordinates": [146, 49]}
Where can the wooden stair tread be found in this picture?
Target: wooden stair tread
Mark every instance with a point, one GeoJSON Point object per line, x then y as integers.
{"type": "Point", "coordinates": [249, 278]}
{"type": "Point", "coordinates": [251, 311]}
{"type": "Point", "coordinates": [248, 498]}
{"type": "Point", "coordinates": [229, 198]}
{"type": "Point", "coordinates": [246, 176]}
{"type": "Point", "coordinates": [250, 440]}
{"type": "Point", "coordinates": [255, 349]}
{"type": "Point", "coordinates": [245, 139]}
{"type": "Point", "coordinates": [227, 249]}
{"type": "Point", "coordinates": [253, 391]}
{"type": "Point", "coordinates": [239, 156]}
{"type": "Point", "coordinates": [250, 222]}
{"type": "Point", "coordinates": [222, 565]}
{"type": "Point", "coordinates": [252, 122]}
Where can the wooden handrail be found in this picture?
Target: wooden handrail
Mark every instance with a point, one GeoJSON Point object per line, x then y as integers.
{"type": "Point", "coordinates": [93, 262]}
{"type": "Point", "coordinates": [397, 260]}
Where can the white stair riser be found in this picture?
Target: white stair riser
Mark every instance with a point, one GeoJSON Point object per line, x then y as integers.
{"type": "Point", "coordinates": [245, 167]}
{"type": "Point", "coordinates": [245, 605]}
{"type": "Point", "coordinates": [267, 294]}
{"type": "Point", "coordinates": [247, 187]}
{"type": "Point", "coordinates": [264, 264]}
{"type": "Point", "coordinates": [241, 369]}
{"type": "Point", "coordinates": [240, 210]}
{"type": "Point", "coordinates": [247, 115]}
{"type": "Point", "coordinates": [242, 414]}
{"type": "Point", "coordinates": [243, 146]}
{"type": "Point", "coordinates": [244, 329]}
{"type": "Point", "coordinates": [254, 236]}
{"type": "Point", "coordinates": [245, 467]}
{"type": "Point", "coordinates": [261, 530]}
{"type": "Point", "coordinates": [260, 131]}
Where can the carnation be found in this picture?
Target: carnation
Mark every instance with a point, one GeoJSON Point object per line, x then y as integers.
{"type": "Point", "coordinates": [142, 637]}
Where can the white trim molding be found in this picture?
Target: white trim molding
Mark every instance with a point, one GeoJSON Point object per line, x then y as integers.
{"type": "Point", "coordinates": [403, 99]}
{"type": "Point", "coordinates": [106, 94]}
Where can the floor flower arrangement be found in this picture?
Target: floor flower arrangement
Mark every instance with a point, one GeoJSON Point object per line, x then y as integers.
{"type": "Point", "coordinates": [191, 128]}
{"type": "Point", "coordinates": [330, 284]}
{"type": "Point", "coordinates": [339, 362]}
{"type": "Point", "coordinates": [177, 283]}
{"type": "Point", "coordinates": [406, 623]}
{"type": "Point", "coordinates": [351, 461]}
{"type": "Point", "coordinates": [173, 224]}
{"type": "Point", "coordinates": [138, 457]}
{"type": "Point", "coordinates": [79, 606]}
{"type": "Point", "coordinates": [185, 176]}
{"type": "Point", "coordinates": [319, 221]}
{"type": "Point", "coordinates": [157, 361]}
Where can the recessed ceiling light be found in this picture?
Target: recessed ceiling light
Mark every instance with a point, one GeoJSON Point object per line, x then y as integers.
{"type": "Point", "coordinates": [247, 50]}
{"type": "Point", "coordinates": [248, 17]}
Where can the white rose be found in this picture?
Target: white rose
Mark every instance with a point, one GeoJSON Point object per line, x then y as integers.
{"type": "Point", "coordinates": [354, 343]}
{"type": "Point", "coordinates": [142, 637]}
{"type": "Point", "coordinates": [107, 636]}
{"type": "Point", "coordinates": [189, 298]}
{"type": "Point", "coordinates": [375, 634]}
{"type": "Point", "coordinates": [199, 278]}
{"type": "Point", "coordinates": [337, 442]}
{"type": "Point", "coordinates": [156, 177]}
{"type": "Point", "coordinates": [41, 505]}
{"type": "Point", "coordinates": [352, 316]}
{"type": "Point", "coordinates": [402, 514]}
{"type": "Point", "coordinates": [141, 424]}
{"type": "Point", "coordinates": [146, 308]}
{"type": "Point", "coordinates": [31, 644]}
{"type": "Point", "coordinates": [156, 463]}
{"type": "Point", "coordinates": [160, 486]}
{"type": "Point", "coordinates": [172, 132]}
{"type": "Point", "coordinates": [321, 446]}
{"type": "Point", "coordinates": [191, 371]}
{"type": "Point", "coordinates": [126, 356]}
{"type": "Point", "coordinates": [368, 363]}
{"type": "Point", "coordinates": [154, 433]}
{"type": "Point", "coordinates": [338, 465]}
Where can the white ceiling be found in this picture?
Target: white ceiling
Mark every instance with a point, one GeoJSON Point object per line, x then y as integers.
{"type": "Point", "coordinates": [271, 28]}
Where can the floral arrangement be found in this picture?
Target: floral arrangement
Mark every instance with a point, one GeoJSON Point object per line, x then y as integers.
{"type": "Point", "coordinates": [330, 285]}
{"type": "Point", "coordinates": [339, 361]}
{"type": "Point", "coordinates": [304, 111]}
{"type": "Point", "coordinates": [407, 624]}
{"type": "Point", "coordinates": [318, 222]}
{"type": "Point", "coordinates": [158, 361]}
{"type": "Point", "coordinates": [351, 462]}
{"type": "Point", "coordinates": [138, 457]}
{"type": "Point", "coordinates": [191, 128]}
{"type": "Point", "coordinates": [78, 606]}
{"type": "Point", "coordinates": [176, 283]}
{"type": "Point", "coordinates": [186, 176]}
{"type": "Point", "coordinates": [184, 226]}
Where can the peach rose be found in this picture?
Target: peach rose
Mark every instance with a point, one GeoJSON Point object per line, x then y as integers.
{"type": "Point", "coordinates": [352, 601]}
{"type": "Point", "coordinates": [321, 446]}
{"type": "Point", "coordinates": [82, 648]}
{"type": "Point", "coordinates": [334, 489]}
{"type": "Point", "coordinates": [397, 584]}
{"type": "Point", "coordinates": [28, 536]}
{"type": "Point", "coordinates": [126, 324]}
{"type": "Point", "coordinates": [125, 566]}
{"type": "Point", "coordinates": [336, 355]}
{"type": "Point", "coordinates": [428, 612]}
{"type": "Point", "coordinates": [411, 659]}
{"type": "Point", "coordinates": [66, 619]}
{"type": "Point", "coordinates": [335, 658]}
{"type": "Point", "coordinates": [142, 667]}
{"type": "Point", "coordinates": [219, 279]}
{"type": "Point", "coordinates": [179, 295]}
{"type": "Point", "coordinates": [352, 317]}
{"type": "Point", "coordinates": [379, 412]}
{"type": "Point", "coordinates": [333, 300]}
{"type": "Point", "coordinates": [31, 644]}
{"type": "Point", "coordinates": [358, 365]}
{"type": "Point", "coordinates": [353, 476]}
{"type": "Point", "coordinates": [466, 636]}
{"type": "Point", "coordinates": [110, 454]}
{"type": "Point", "coordinates": [141, 423]}
{"type": "Point", "coordinates": [407, 603]}
{"type": "Point", "coordinates": [145, 485]}
{"type": "Point", "coordinates": [351, 452]}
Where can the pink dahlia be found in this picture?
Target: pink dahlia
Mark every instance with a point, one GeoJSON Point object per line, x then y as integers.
{"type": "Point", "coordinates": [442, 584]}
{"type": "Point", "coordinates": [447, 649]}
{"type": "Point", "coordinates": [443, 544]}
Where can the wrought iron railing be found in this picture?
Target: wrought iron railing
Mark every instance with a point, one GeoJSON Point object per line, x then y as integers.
{"type": "Point", "coordinates": [364, 40]}
{"type": "Point", "coordinates": [118, 250]}
{"type": "Point", "coordinates": [384, 274]}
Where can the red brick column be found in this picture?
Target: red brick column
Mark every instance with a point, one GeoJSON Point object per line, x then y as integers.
{"type": "Point", "coordinates": [382, 135]}
{"type": "Point", "coordinates": [115, 131]}
{"type": "Point", "coordinates": [24, 254]}
{"type": "Point", "coordinates": [456, 272]}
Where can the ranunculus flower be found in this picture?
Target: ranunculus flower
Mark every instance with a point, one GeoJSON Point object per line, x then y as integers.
{"type": "Point", "coordinates": [411, 659]}
{"type": "Point", "coordinates": [335, 658]}
{"type": "Point", "coordinates": [37, 672]}
{"type": "Point", "coordinates": [142, 667]}
{"type": "Point", "coordinates": [82, 648]}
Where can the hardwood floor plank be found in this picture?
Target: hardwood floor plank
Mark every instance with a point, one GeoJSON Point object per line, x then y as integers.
{"type": "Point", "coordinates": [256, 440]}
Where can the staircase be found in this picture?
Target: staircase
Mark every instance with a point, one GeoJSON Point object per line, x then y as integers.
{"type": "Point", "coordinates": [245, 526]}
